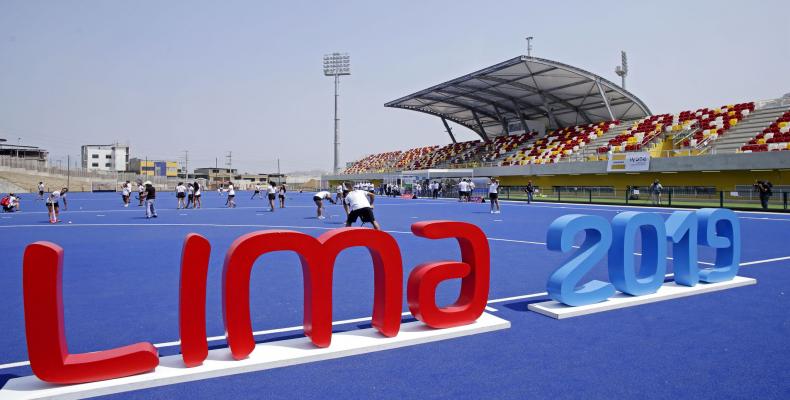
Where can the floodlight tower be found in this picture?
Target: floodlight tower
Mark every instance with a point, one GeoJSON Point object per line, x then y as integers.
{"type": "Point", "coordinates": [337, 64]}
{"type": "Point", "coordinates": [622, 70]}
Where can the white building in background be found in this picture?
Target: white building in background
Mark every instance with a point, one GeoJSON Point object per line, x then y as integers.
{"type": "Point", "coordinates": [110, 157]}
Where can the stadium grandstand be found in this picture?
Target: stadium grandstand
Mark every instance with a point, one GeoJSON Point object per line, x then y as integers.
{"type": "Point", "coordinates": [560, 125]}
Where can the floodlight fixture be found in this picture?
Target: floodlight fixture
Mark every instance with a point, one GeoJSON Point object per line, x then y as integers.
{"type": "Point", "coordinates": [622, 69]}
{"type": "Point", "coordinates": [337, 64]}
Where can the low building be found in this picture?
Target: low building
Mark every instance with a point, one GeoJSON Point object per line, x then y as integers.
{"type": "Point", "coordinates": [110, 157]}
{"type": "Point", "coordinates": [252, 178]}
{"type": "Point", "coordinates": [215, 176]}
{"type": "Point", "coordinates": [23, 156]}
{"type": "Point", "coordinates": [153, 167]}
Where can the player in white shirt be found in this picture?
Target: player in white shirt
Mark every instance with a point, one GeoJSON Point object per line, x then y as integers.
{"type": "Point", "coordinates": [126, 192]}
{"type": "Point", "coordinates": [231, 203]}
{"type": "Point", "coordinates": [53, 206]}
{"type": "Point", "coordinates": [493, 195]}
{"type": "Point", "coordinates": [463, 187]}
{"type": "Point", "coordinates": [319, 198]}
{"type": "Point", "coordinates": [360, 203]}
{"type": "Point", "coordinates": [63, 193]}
{"type": "Point", "coordinates": [181, 191]}
{"type": "Point", "coordinates": [339, 193]}
{"type": "Point", "coordinates": [257, 191]}
{"type": "Point", "coordinates": [197, 195]}
{"type": "Point", "coordinates": [41, 189]}
{"type": "Point", "coordinates": [140, 194]}
{"type": "Point", "coordinates": [271, 194]}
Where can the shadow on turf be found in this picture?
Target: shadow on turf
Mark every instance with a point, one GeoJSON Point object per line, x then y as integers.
{"type": "Point", "coordinates": [521, 306]}
{"type": "Point", "coordinates": [6, 377]}
{"type": "Point", "coordinates": [299, 334]}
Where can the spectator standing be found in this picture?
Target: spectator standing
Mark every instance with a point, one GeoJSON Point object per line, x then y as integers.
{"type": "Point", "coordinates": [530, 191]}
{"type": "Point", "coordinates": [765, 190]}
{"type": "Point", "coordinates": [655, 192]}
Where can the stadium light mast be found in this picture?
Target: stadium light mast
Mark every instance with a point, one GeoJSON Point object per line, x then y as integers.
{"type": "Point", "coordinates": [337, 64]}
{"type": "Point", "coordinates": [622, 69]}
{"type": "Point", "coordinates": [529, 46]}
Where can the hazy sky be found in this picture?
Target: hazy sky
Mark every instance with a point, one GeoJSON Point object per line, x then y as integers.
{"type": "Point", "coordinates": [246, 77]}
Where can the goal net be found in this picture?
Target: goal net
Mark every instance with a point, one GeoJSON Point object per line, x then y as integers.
{"type": "Point", "coordinates": [104, 186]}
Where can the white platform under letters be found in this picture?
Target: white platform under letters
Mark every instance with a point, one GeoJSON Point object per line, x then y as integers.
{"type": "Point", "coordinates": [268, 355]}
{"type": "Point", "coordinates": [669, 290]}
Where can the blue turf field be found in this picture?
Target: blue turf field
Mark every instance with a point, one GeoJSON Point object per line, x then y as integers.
{"type": "Point", "coordinates": [121, 286]}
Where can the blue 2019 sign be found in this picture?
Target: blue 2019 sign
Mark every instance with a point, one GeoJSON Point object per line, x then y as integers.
{"type": "Point", "coordinates": [684, 230]}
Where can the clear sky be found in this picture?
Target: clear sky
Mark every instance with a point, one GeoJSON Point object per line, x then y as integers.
{"type": "Point", "coordinates": [246, 76]}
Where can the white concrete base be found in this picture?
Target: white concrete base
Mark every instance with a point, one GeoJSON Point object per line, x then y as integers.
{"type": "Point", "coordinates": [669, 290]}
{"type": "Point", "coordinates": [269, 355]}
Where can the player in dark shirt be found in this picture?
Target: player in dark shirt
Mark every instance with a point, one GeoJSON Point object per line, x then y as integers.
{"type": "Point", "coordinates": [150, 199]}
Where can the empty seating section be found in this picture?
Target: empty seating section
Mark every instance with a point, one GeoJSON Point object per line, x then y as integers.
{"type": "Point", "coordinates": [709, 124]}
{"type": "Point", "coordinates": [443, 154]}
{"type": "Point", "coordinates": [639, 134]}
{"type": "Point", "coordinates": [410, 156]}
{"type": "Point", "coordinates": [468, 154]}
{"type": "Point", "coordinates": [374, 162]}
{"type": "Point", "coordinates": [702, 126]}
{"type": "Point", "coordinates": [559, 143]}
{"type": "Point", "coordinates": [773, 138]}
{"type": "Point", "coordinates": [501, 145]}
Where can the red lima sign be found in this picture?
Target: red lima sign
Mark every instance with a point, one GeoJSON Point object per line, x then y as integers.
{"type": "Point", "coordinates": [46, 340]}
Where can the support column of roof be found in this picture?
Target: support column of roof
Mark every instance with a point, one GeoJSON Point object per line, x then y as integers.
{"type": "Point", "coordinates": [605, 99]}
{"type": "Point", "coordinates": [482, 132]}
{"type": "Point", "coordinates": [501, 119]}
{"type": "Point", "coordinates": [520, 115]}
{"type": "Point", "coordinates": [449, 130]}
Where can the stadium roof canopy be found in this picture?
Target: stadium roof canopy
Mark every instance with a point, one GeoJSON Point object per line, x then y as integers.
{"type": "Point", "coordinates": [522, 89]}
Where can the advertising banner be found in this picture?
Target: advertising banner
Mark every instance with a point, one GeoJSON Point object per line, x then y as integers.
{"type": "Point", "coordinates": [628, 162]}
